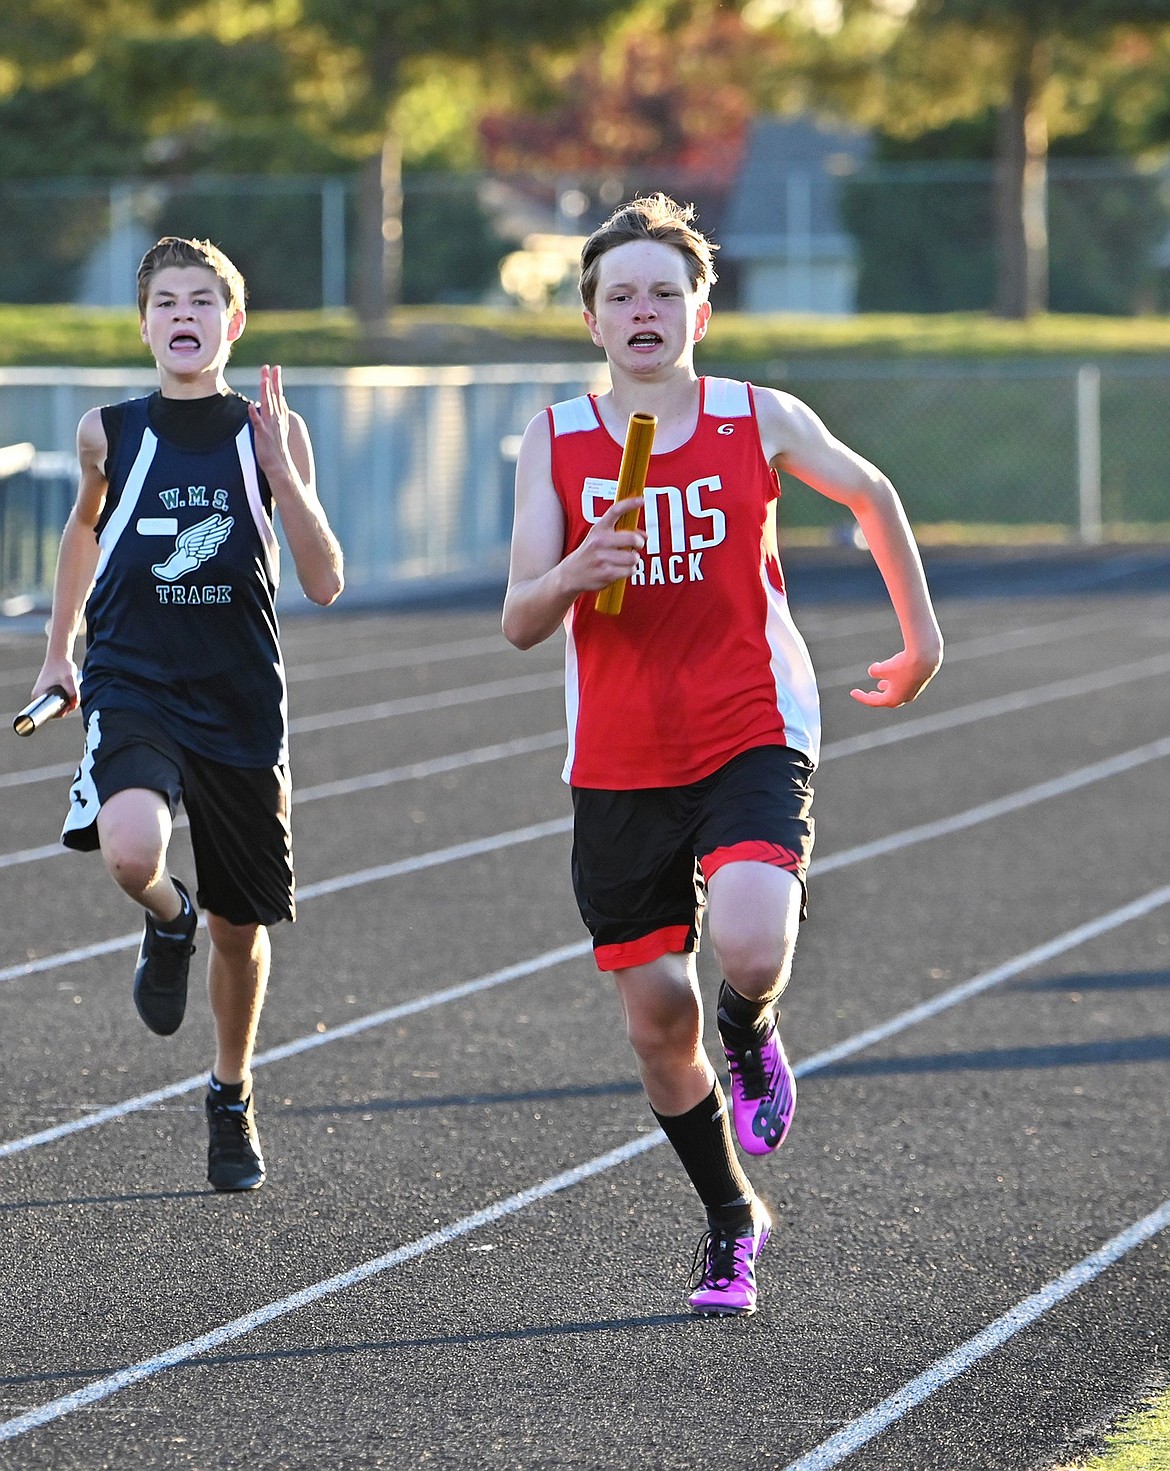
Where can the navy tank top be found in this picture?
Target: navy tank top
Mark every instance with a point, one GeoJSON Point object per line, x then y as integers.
{"type": "Point", "coordinates": [181, 620]}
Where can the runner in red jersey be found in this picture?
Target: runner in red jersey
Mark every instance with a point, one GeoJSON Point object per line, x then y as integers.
{"type": "Point", "coordinates": [709, 563]}
{"type": "Point", "coordinates": [693, 720]}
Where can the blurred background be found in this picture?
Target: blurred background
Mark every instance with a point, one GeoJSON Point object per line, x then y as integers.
{"type": "Point", "coordinates": [944, 223]}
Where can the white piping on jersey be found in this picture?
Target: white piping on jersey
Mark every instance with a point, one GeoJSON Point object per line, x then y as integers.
{"type": "Point", "coordinates": [572, 696]}
{"type": "Point", "coordinates": [114, 527]}
{"type": "Point", "coordinates": [723, 398]}
{"type": "Point", "coordinates": [726, 398]}
{"type": "Point", "coordinates": [247, 457]}
{"type": "Point", "coordinates": [574, 415]}
{"type": "Point", "coordinates": [792, 674]}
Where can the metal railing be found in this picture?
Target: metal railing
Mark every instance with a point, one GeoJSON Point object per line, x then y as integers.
{"type": "Point", "coordinates": [415, 465]}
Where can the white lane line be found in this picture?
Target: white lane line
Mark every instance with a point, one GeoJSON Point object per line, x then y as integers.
{"type": "Point", "coordinates": [1061, 689]}
{"type": "Point", "coordinates": [470, 694]}
{"type": "Point", "coordinates": [850, 746]}
{"type": "Point", "coordinates": [999, 642]}
{"type": "Point", "coordinates": [467, 648]}
{"type": "Point", "coordinates": [1080, 935]}
{"type": "Point", "coordinates": [1058, 786]}
{"type": "Point", "coordinates": [37, 773]}
{"type": "Point", "coordinates": [102, 1389]}
{"type": "Point", "coordinates": [420, 862]}
{"type": "Point", "coordinates": [181, 1353]}
{"type": "Point", "coordinates": [852, 1437]}
{"type": "Point", "coordinates": [308, 1043]}
{"type": "Point", "coordinates": [384, 710]}
{"type": "Point", "coordinates": [1014, 801]}
{"type": "Point", "coordinates": [1003, 641]}
{"type": "Point", "coordinates": [907, 728]}
{"type": "Point", "coordinates": [346, 786]}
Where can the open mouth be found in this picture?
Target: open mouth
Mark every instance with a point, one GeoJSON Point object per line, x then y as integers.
{"type": "Point", "coordinates": [184, 342]}
{"type": "Point", "coordinates": [645, 339]}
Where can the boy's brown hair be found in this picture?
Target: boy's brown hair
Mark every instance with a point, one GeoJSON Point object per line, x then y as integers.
{"type": "Point", "coordinates": [650, 217]}
{"type": "Point", "coordinates": [174, 250]}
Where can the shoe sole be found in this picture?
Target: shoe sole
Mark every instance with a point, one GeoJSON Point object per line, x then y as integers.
{"type": "Point", "coordinates": [237, 1189]}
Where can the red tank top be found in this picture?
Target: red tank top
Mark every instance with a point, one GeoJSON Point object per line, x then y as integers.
{"type": "Point", "coordinates": [703, 661]}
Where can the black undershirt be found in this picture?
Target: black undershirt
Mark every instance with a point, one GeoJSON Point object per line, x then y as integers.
{"type": "Point", "coordinates": [189, 423]}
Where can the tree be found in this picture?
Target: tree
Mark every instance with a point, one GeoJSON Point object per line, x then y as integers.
{"type": "Point", "coordinates": [1031, 34]}
{"type": "Point", "coordinates": [914, 65]}
{"type": "Point", "coordinates": [383, 43]}
{"type": "Point", "coordinates": [266, 84]}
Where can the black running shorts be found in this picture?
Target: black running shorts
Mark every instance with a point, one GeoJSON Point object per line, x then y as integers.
{"type": "Point", "coordinates": [239, 816]}
{"type": "Point", "coordinates": [641, 858]}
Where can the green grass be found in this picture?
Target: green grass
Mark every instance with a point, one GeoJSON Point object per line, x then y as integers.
{"type": "Point", "coordinates": [1140, 1443]}
{"type": "Point", "coordinates": [96, 337]}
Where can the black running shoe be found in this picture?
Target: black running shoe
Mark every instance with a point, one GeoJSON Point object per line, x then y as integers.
{"type": "Point", "coordinates": [160, 979]}
{"type": "Point", "coordinates": [234, 1161]}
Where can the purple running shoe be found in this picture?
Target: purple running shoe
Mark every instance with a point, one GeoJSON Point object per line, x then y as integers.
{"type": "Point", "coordinates": [763, 1091]}
{"type": "Point", "coordinates": [725, 1269]}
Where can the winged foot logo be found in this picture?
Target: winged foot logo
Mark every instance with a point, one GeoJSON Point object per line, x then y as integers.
{"type": "Point", "coordinates": [194, 546]}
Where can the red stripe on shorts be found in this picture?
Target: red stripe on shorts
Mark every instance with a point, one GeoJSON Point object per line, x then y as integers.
{"type": "Point", "coordinates": [755, 851]}
{"type": "Point", "coordinates": [672, 940]}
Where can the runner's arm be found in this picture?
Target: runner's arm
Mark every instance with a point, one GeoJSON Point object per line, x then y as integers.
{"type": "Point", "coordinates": [77, 560]}
{"type": "Point", "coordinates": [544, 583]}
{"type": "Point", "coordinates": [285, 454]}
{"type": "Point", "coordinates": [796, 441]}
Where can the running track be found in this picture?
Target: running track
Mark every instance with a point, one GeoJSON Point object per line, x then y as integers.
{"type": "Point", "coordinates": [472, 1248]}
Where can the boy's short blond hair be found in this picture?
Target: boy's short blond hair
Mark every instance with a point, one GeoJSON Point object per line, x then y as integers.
{"type": "Point", "coordinates": [650, 217]}
{"type": "Point", "coordinates": [174, 250]}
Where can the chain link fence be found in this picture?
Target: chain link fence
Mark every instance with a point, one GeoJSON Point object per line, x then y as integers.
{"type": "Point", "coordinates": [915, 236]}
{"type": "Point", "coordinates": [1051, 449]}
{"type": "Point", "coordinates": [415, 466]}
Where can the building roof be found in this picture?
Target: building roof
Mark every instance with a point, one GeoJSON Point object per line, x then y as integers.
{"type": "Point", "coordinates": [789, 186]}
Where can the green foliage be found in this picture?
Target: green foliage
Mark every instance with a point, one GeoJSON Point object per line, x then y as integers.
{"type": "Point", "coordinates": [65, 128]}
{"type": "Point", "coordinates": [739, 343]}
{"type": "Point", "coordinates": [275, 240]}
{"type": "Point", "coordinates": [923, 246]}
{"type": "Point", "coordinates": [1045, 17]}
{"type": "Point", "coordinates": [46, 239]}
{"type": "Point", "coordinates": [1103, 237]}
{"type": "Point", "coordinates": [450, 251]}
{"type": "Point", "coordinates": [926, 238]}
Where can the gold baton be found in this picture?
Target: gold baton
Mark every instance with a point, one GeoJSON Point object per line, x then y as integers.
{"type": "Point", "coordinates": [631, 482]}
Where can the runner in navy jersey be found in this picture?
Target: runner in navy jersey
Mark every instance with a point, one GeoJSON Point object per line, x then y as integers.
{"type": "Point", "coordinates": [170, 556]}
{"type": "Point", "coordinates": [694, 723]}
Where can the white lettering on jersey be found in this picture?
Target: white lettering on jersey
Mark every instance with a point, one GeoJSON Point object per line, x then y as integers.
{"type": "Point", "coordinates": [176, 594]}
{"type": "Point", "coordinates": [672, 555]}
{"type": "Point", "coordinates": [196, 495]}
{"type": "Point", "coordinates": [700, 512]}
{"type": "Point", "coordinates": [674, 518]}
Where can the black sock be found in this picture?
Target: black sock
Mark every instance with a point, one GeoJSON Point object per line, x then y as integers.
{"type": "Point", "coordinates": [225, 1092]}
{"type": "Point", "coordinates": [739, 1018]}
{"type": "Point", "coordinates": [701, 1138]}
